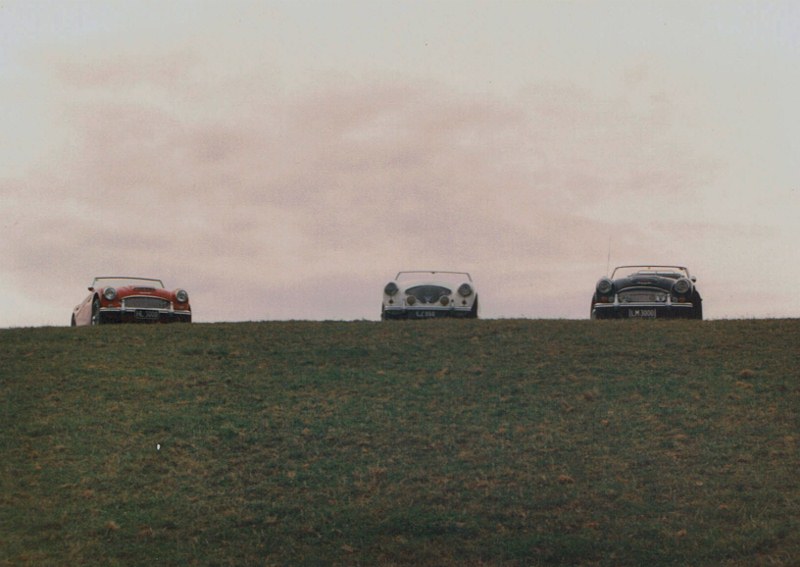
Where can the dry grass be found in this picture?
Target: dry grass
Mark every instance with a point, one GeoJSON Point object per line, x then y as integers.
{"type": "Point", "coordinates": [408, 443]}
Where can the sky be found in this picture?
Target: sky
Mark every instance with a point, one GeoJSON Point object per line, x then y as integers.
{"type": "Point", "coordinates": [284, 160]}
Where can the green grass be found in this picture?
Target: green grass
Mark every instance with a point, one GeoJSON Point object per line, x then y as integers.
{"type": "Point", "coordinates": [408, 443]}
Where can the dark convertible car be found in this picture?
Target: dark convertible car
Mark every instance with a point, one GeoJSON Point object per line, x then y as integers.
{"type": "Point", "coordinates": [647, 292]}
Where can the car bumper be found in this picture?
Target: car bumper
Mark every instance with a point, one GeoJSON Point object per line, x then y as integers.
{"type": "Point", "coordinates": [643, 311]}
{"type": "Point", "coordinates": [426, 313]}
{"type": "Point", "coordinates": [144, 316]}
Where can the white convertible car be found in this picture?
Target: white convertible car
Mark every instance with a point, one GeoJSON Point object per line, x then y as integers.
{"type": "Point", "coordinates": [429, 294]}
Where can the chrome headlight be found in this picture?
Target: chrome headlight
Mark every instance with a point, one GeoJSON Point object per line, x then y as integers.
{"type": "Point", "coordinates": [682, 286]}
{"type": "Point", "coordinates": [465, 290]}
{"type": "Point", "coordinates": [604, 286]}
{"type": "Point", "coordinates": [110, 293]}
{"type": "Point", "coordinates": [390, 289]}
{"type": "Point", "coordinates": [181, 296]}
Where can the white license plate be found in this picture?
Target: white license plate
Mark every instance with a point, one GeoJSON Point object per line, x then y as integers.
{"type": "Point", "coordinates": [424, 314]}
{"type": "Point", "coordinates": [148, 315]}
{"type": "Point", "coordinates": [642, 313]}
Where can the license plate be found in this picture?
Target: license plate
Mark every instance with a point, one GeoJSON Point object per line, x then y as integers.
{"type": "Point", "coordinates": [642, 313]}
{"type": "Point", "coordinates": [145, 314]}
{"type": "Point", "coordinates": [424, 314]}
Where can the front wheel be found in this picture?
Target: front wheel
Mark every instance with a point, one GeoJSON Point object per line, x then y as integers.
{"type": "Point", "coordinates": [473, 313]}
{"type": "Point", "coordinates": [96, 311]}
{"type": "Point", "coordinates": [697, 310]}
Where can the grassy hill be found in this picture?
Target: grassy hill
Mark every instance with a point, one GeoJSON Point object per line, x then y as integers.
{"type": "Point", "coordinates": [509, 442]}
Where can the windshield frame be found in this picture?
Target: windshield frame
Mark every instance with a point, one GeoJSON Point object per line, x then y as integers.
{"type": "Point", "coordinates": [660, 270]}
{"type": "Point", "coordinates": [126, 281]}
{"type": "Point", "coordinates": [419, 275]}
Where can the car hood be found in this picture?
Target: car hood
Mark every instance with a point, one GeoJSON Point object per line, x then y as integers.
{"type": "Point", "coordinates": [644, 281]}
{"type": "Point", "coordinates": [126, 290]}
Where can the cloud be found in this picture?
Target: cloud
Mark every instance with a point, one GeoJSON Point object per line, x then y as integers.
{"type": "Point", "coordinates": [306, 202]}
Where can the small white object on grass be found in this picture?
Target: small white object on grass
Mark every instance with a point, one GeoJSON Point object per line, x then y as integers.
{"type": "Point", "coordinates": [158, 446]}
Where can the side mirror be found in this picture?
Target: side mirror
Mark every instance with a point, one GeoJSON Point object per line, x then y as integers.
{"type": "Point", "coordinates": [91, 288]}
{"type": "Point", "coordinates": [694, 278]}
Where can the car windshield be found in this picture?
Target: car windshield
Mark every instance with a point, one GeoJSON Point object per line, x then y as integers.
{"type": "Point", "coordinates": [663, 271]}
{"type": "Point", "coordinates": [121, 281]}
{"type": "Point", "coordinates": [453, 278]}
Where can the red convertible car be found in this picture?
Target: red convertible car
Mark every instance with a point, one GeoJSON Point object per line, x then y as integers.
{"type": "Point", "coordinates": [131, 300]}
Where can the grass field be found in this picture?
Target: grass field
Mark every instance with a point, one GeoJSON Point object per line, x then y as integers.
{"type": "Point", "coordinates": [509, 442]}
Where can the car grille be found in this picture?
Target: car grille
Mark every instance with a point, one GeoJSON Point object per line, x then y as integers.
{"type": "Point", "coordinates": [146, 303]}
{"type": "Point", "coordinates": [428, 293]}
{"type": "Point", "coordinates": [643, 296]}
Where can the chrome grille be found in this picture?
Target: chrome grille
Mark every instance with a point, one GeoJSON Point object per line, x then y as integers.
{"type": "Point", "coordinates": [146, 303]}
{"type": "Point", "coordinates": [428, 293]}
{"type": "Point", "coordinates": [643, 296]}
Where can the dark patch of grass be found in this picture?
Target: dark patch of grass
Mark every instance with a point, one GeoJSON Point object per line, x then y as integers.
{"type": "Point", "coordinates": [439, 442]}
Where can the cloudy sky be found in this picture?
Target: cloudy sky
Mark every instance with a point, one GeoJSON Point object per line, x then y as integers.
{"type": "Point", "coordinates": [283, 160]}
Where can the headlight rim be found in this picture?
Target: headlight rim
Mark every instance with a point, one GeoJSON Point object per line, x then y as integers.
{"type": "Point", "coordinates": [682, 286]}
{"type": "Point", "coordinates": [109, 293]}
{"type": "Point", "coordinates": [391, 289]}
{"type": "Point", "coordinates": [182, 296]}
{"type": "Point", "coordinates": [604, 286]}
{"type": "Point", "coordinates": [465, 290]}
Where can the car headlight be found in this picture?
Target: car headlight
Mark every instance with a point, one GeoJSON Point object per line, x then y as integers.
{"type": "Point", "coordinates": [682, 286]}
{"type": "Point", "coordinates": [411, 300]}
{"type": "Point", "coordinates": [465, 290]}
{"type": "Point", "coordinates": [604, 286]}
{"type": "Point", "coordinates": [181, 296]}
{"type": "Point", "coordinates": [390, 289]}
{"type": "Point", "coordinates": [110, 293]}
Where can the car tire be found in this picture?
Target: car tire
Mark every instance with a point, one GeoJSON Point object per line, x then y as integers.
{"type": "Point", "coordinates": [473, 313]}
{"type": "Point", "coordinates": [95, 311]}
{"type": "Point", "coordinates": [697, 310]}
